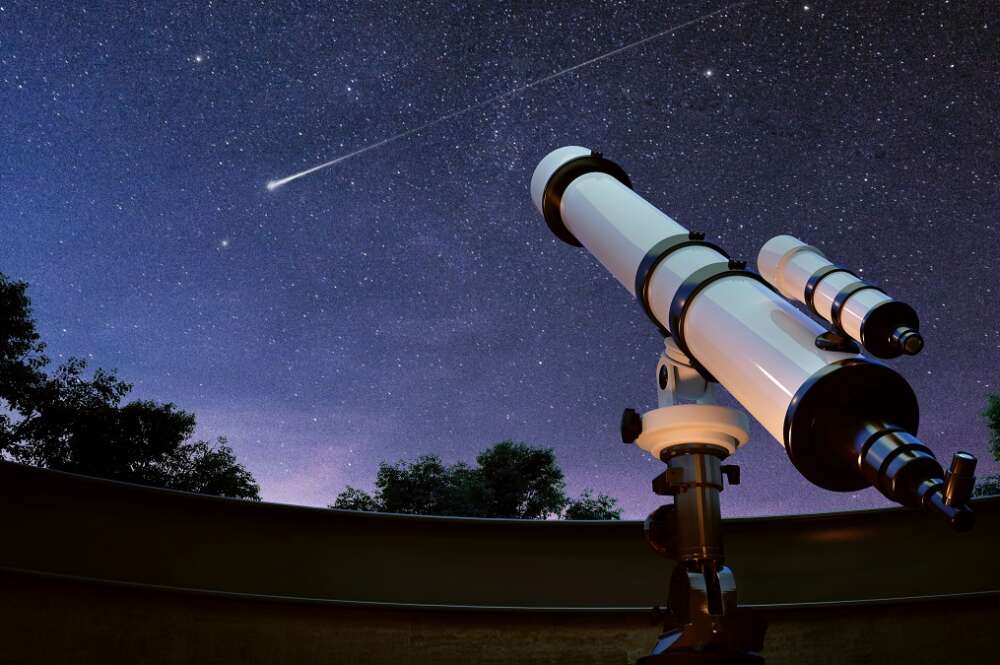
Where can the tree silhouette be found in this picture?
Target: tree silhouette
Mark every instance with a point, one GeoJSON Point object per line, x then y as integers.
{"type": "Point", "coordinates": [516, 480]}
{"type": "Point", "coordinates": [510, 479]}
{"type": "Point", "coordinates": [590, 507]}
{"type": "Point", "coordinates": [69, 422]}
{"type": "Point", "coordinates": [425, 486]}
{"type": "Point", "coordinates": [354, 499]}
{"type": "Point", "coordinates": [990, 485]}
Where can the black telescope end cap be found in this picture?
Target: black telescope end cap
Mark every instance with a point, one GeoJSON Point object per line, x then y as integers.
{"type": "Point", "coordinates": [890, 329]}
{"type": "Point", "coordinates": [561, 179]}
{"type": "Point", "coordinates": [833, 408]}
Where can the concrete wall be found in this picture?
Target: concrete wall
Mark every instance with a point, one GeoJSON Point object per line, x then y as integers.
{"type": "Point", "coordinates": [94, 571]}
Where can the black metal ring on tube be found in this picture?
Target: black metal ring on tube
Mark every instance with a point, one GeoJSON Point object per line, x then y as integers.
{"type": "Point", "coordinates": [842, 297]}
{"type": "Point", "coordinates": [561, 179]}
{"type": "Point", "coordinates": [655, 256]}
{"type": "Point", "coordinates": [815, 279]}
{"type": "Point", "coordinates": [690, 288]}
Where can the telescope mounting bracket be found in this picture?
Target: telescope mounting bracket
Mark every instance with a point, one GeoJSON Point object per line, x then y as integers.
{"type": "Point", "coordinates": [704, 624]}
{"type": "Point", "coordinates": [675, 424]}
{"type": "Point", "coordinates": [834, 340]}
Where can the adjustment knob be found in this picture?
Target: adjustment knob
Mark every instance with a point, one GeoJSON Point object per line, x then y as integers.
{"type": "Point", "coordinates": [732, 473]}
{"type": "Point", "coordinates": [631, 425]}
{"type": "Point", "coordinates": [660, 529]}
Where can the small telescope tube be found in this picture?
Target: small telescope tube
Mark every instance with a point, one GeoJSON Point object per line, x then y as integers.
{"type": "Point", "coordinates": [886, 327]}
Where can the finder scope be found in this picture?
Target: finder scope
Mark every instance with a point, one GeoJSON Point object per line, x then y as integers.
{"type": "Point", "coordinates": [846, 422]}
{"type": "Point", "coordinates": [886, 328]}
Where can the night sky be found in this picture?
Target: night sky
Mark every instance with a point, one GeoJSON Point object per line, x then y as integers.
{"type": "Point", "coordinates": [411, 299]}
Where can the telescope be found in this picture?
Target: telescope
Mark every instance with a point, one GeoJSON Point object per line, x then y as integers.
{"type": "Point", "coordinates": [885, 327]}
{"type": "Point", "coordinates": [845, 420]}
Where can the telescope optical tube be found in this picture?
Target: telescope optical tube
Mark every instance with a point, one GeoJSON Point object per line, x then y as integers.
{"type": "Point", "coordinates": [886, 328]}
{"type": "Point", "coordinates": [829, 408]}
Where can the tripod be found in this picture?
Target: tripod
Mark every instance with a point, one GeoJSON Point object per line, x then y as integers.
{"type": "Point", "coordinates": [704, 626]}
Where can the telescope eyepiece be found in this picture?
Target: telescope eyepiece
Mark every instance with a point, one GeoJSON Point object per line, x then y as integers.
{"type": "Point", "coordinates": [909, 341]}
{"type": "Point", "coordinates": [903, 469]}
{"type": "Point", "coordinates": [960, 479]}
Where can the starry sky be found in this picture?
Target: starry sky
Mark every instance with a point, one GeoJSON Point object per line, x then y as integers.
{"type": "Point", "coordinates": [411, 299]}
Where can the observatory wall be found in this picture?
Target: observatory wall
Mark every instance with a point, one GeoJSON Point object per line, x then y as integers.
{"type": "Point", "coordinates": [98, 571]}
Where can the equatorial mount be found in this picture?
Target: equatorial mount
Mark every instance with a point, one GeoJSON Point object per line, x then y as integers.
{"type": "Point", "coordinates": [704, 623]}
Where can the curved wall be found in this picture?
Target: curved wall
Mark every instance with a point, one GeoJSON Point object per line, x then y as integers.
{"type": "Point", "coordinates": [133, 574]}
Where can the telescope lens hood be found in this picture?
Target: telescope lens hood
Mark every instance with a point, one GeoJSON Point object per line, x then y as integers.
{"type": "Point", "coordinates": [561, 179]}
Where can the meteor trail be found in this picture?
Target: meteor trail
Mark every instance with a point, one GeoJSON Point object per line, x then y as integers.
{"type": "Point", "coordinates": [280, 182]}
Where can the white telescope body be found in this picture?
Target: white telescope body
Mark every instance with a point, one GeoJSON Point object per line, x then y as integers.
{"type": "Point", "coordinates": [757, 345]}
{"type": "Point", "coordinates": [845, 421]}
{"type": "Point", "coordinates": [884, 326]}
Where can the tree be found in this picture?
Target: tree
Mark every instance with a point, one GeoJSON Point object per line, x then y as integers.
{"type": "Point", "coordinates": [516, 480]}
{"type": "Point", "coordinates": [987, 486]}
{"type": "Point", "coordinates": [198, 467]}
{"type": "Point", "coordinates": [990, 485]}
{"type": "Point", "coordinates": [21, 359]}
{"type": "Point", "coordinates": [69, 422]}
{"type": "Point", "coordinates": [589, 507]}
{"type": "Point", "coordinates": [509, 480]}
{"type": "Point", "coordinates": [426, 486]}
{"type": "Point", "coordinates": [354, 499]}
{"type": "Point", "coordinates": [992, 416]}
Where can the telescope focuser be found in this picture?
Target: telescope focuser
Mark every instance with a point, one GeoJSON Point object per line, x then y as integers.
{"type": "Point", "coordinates": [905, 470]}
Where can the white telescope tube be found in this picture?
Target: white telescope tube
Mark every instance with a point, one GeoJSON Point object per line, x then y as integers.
{"type": "Point", "coordinates": [846, 422]}
{"type": "Point", "coordinates": [756, 344]}
{"type": "Point", "coordinates": [884, 326]}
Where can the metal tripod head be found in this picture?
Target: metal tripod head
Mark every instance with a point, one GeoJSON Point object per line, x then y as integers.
{"type": "Point", "coordinates": [704, 624]}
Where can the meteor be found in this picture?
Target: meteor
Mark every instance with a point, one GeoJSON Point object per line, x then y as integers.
{"type": "Point", "coordinates": [281, 182]}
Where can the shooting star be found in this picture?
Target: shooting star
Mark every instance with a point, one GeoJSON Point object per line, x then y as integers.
{"type": "Point", "coordinates": [281, 182]}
